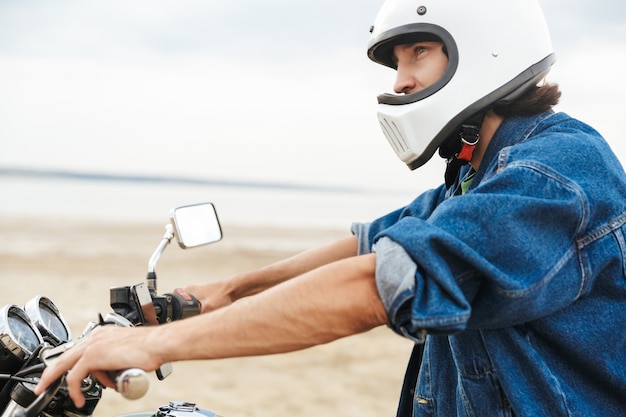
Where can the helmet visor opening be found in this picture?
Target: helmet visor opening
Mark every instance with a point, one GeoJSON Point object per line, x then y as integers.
{"type": "Point", "coordinates": [382, 52]}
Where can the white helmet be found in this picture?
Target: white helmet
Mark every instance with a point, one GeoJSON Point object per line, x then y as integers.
{"type": "Point", "coordinates": [496, 50]}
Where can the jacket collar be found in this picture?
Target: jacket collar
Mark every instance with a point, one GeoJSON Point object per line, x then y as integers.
{"type": "Point", "coordinates": [512, 131]}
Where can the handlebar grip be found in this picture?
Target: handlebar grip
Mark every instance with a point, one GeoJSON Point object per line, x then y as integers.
{"type": "Point", "coordinates": [184, 305]}
{"type": "Point", "coordinates": [131, 383]}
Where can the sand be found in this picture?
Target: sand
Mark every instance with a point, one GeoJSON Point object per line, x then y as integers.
{"type": "Point", "coordinates": [74, 263]}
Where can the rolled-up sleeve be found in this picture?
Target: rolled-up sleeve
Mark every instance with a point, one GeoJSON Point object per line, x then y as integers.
{"type": "Point", "coordinates": [361, 232]}
{"type": "Point", "coordinates": [395, 274]}
{"type": "Point", "coordinates": [499, 256]}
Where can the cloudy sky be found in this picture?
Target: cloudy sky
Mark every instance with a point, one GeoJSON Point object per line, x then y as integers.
{"type": "Point", "coordinates": [270, 90]}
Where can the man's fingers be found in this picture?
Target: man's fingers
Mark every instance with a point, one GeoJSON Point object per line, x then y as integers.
{"type": "Point", "coordinates": [58, 366]}
{"type": "Point", "coordinates": [104, 378]}
{"type": "Point", "coordinates": [54, 370]}
{"type": "Point", "coordinates": [74, 381]}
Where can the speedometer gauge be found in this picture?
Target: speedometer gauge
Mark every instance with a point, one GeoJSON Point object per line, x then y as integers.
{"type": "Point", "coordinates": [19, 338]}
{"type": "Point", "coordinates": [18, 335]}
{"type": "Point", "coordinates": [46, 316]}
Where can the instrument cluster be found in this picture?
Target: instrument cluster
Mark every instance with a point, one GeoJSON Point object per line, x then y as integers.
{"type": "Point", "coordinates": [22, 330]}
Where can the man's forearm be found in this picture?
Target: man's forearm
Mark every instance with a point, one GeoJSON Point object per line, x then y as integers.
{"type": "Point", "coordinates": [254, 282]}
{"type": "Point", "coordinates": [336, 300]}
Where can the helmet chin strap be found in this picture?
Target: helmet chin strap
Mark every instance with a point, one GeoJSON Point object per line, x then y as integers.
{"type": "Point", "coordinates": [458, 150]}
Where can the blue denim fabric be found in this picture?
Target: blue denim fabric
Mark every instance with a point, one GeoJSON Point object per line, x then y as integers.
{"type": "Point", "coordinates": [520, 283]}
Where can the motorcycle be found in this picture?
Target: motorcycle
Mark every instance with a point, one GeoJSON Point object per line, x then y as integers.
{"type": "Point", "coordinates": [32, 336]}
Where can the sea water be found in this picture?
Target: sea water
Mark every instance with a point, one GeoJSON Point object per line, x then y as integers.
{"type": "Point", "coordinates": [102, 198]}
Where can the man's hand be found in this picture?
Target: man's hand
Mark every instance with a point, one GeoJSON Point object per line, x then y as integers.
{"type": "Point", "coordinates": [212, 295]}
{"type": "Point", "coordinates": [107, 348]}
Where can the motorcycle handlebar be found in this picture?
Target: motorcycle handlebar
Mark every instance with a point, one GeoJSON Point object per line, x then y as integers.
{"type": "Point", "coordinates": [131, 383]}
{"type": "Point", "coordinates": [174, 306]}
{"type": "Point", "coordinates": [168, 307]}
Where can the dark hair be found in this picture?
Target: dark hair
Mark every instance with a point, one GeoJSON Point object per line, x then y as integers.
{"type": "Point", "coordinates": [536, 100]}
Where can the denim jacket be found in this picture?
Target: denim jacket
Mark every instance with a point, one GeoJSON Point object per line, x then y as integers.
{"type": "Point", "coordinates": [520, 283]}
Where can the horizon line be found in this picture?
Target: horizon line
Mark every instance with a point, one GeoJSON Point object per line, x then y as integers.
{"type": "Point", "coordinates": [120, 177]}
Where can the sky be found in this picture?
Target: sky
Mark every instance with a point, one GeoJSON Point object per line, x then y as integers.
{"type": "Point", "coordinates": [274, 90]}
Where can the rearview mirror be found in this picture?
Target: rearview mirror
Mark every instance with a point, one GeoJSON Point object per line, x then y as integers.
{"type": "Point", "coordinates": [195, 225]}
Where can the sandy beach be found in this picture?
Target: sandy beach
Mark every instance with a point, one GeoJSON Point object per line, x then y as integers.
{"type": "Point", "coordinates": [75, 263]}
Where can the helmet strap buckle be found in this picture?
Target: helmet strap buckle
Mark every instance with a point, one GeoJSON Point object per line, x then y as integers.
{"type": "Point", "coordinates": [469, 136]}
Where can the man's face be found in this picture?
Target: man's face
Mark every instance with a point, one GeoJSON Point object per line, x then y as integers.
{"type": "Point", "coordinates": [420, 65]}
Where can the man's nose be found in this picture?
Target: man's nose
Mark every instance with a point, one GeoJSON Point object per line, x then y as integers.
{"type": "Point", "coordinates": [405, 81]}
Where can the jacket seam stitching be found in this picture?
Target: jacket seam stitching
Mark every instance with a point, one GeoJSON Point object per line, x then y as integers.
{"type": "Point", "coordinates": [601, 231]}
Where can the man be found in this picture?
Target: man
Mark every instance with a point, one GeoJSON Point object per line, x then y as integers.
{"type": "Point", "coordinates": [509, 278]}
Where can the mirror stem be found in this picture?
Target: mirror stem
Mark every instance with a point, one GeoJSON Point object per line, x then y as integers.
{"type": "Point", "coordinates": [169, 234]}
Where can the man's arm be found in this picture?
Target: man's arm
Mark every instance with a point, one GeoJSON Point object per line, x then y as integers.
{"type": "Point", "coordinates": [333, 301]}
{"type": "Point", "coordinates": [327, 303]}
